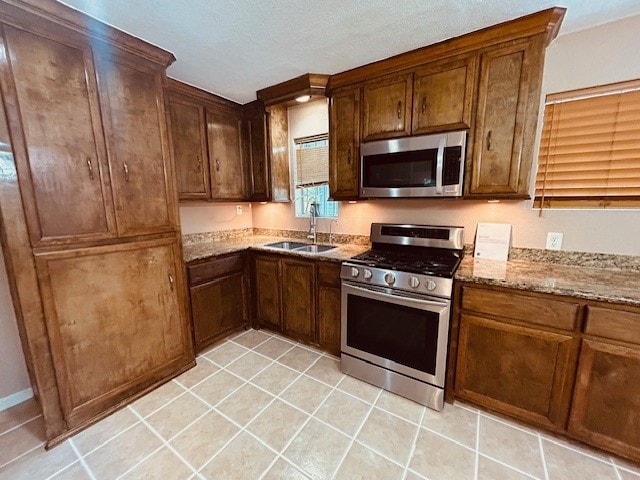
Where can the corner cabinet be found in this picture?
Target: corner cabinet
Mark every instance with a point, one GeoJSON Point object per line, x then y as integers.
{"type": "Point", "coordinates": [93, 256]}
{"type": "Point", "coordinates": [344, 144]}
{"type": "Point", "coordinates": [508, 101]}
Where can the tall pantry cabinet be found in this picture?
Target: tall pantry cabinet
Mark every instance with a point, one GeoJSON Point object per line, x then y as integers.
{"type": "Point", "coordinates": [88, 205]}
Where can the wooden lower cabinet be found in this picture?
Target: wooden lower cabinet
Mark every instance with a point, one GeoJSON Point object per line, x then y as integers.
{"type": "Point", "coordinates": [266, 290]}
{"type": "Point", "coordinates": [114, 320]}
{"type": "Point", "coordinates": [329, 307]}
{"type": "Point", "coordinates": [218, 291]}
{"type": "Point", "coordinates": [298, 299]}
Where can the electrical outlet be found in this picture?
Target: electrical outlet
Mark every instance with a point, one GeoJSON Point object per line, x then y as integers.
{"type": "Point", "coordinates": [554, 241]}
{"type": "Point", "coordinates": [238, 209]}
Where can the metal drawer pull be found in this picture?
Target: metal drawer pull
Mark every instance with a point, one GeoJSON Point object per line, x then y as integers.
{"type": "Point", "coordinates": [399, 109]}
{"type": "Point", "coordinates": [424, 105]}
{"type": "Point", "coordinates": [172, 281]}
{"type": "Point", "coordinates": [126, 171]}
{"type": "Point", "coordinates": [91, 176]}
{"type": "Point", "coordinates": [489, 140]}
{"type": "Point", "coordinates": [217, 164]}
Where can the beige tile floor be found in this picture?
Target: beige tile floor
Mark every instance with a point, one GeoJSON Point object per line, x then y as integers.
{"type": "Point", "coordinates": [258, 406]}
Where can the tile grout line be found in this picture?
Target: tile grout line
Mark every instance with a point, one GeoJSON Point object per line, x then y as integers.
{"type": "Point", "coordinates": [544, 460]}
{"type": "Point", "coordinates": [413, 446]}
{"type": "Point", "coordinates": [82, 461]}
{"type": "Point", "coordinates": [355, 435]}
{"type": "Point", "coordinates": [21, 424]}
{"type": "Point", "coordinates": [510, 467]}
{"type": "Point", "coordinates": [476, 467]}
{"type": "Point", "coordinates": [574, 449]}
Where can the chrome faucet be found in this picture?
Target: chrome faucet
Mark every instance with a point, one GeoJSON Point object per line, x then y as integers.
{"type": "Point", "coordinates": [313, 230]}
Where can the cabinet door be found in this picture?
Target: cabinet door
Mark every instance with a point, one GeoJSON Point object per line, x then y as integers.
{"type": "Point", "coordinates": [442, 96]}
{"type": "Point", "coordinates": [606, 400]}
{"type": "Point", "coordinates": [135, 124]}
{"type": "Point", "coordinates": [267, 292]}
{"type": "Point", "coordinates": [116, 321]}
{"type": "Point", "coordinates": [50, 92]}
{"type": "Point", "coordinates": [344, 144]}
{"type": "Point", "coordinates": [387, 107]}
{"type": "Point", "coordinates": [500, 164]}
{"type": "Point", "coordinates": [218, 307]}
{"type": "Point", "coordinates": [521, 371]}
{"type": "Point", "coordinates": [188, 134]}
{"type": "Point", "coordinates": [328, 312]}
{"type": "Point", "coordinates": [279, 153]}
{"type": "Point", "coordinates": [224, 131]}
{"type": "Point", "coordinates": [256, 153]}
{"type": "Point", "coordinates": [298, 299]}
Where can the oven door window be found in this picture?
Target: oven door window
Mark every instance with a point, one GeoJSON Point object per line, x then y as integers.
{"type": "Point", "coordinates": [400, 169]}
{"type": "Point", "coordinates": [403, 334]}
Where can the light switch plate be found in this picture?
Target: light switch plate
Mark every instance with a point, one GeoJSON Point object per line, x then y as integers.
{"type": "Point", "coordinates": [554, 241]}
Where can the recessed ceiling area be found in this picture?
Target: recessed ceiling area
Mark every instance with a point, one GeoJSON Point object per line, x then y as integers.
{"type": "Point", "coordinates": [235, 48]}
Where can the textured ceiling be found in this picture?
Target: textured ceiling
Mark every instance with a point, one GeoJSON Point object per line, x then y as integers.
{"type": "Point", "coordinates": [234, 48]}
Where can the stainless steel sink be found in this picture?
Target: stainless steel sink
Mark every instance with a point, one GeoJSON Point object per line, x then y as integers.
{"type": "Point", "coordinates": [287, 245]}
{"type": "Point", "coordinates": [301, 247]}
{"type": "Point", "coordinates": [315, 248]}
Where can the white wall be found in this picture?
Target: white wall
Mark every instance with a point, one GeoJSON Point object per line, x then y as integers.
{"type": "Point", "coordinates": [211, 217]}
{"type": "Point", "coordinates": [599, 55]}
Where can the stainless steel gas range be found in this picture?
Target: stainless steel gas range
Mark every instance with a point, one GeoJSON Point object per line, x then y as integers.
{"type": "Point", "coordinates": [396, 307]}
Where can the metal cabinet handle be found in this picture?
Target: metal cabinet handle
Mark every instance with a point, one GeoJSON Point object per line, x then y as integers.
{"type": "Point", "coordinates": [91, 176]}
{"type": "Point", "coordinates": [126, 171]}
{"type": "Point", "coordinates": [399, 109]}
{"type": "Point", "coordinates": [172, 281]}
{"type": "Point", "coordinates": [199, 163]}
{"type": "Point", "coordinates": [217, 164]}
{"type": "Point", "coordinates": [489, 140]}
{"type": "Point", "coordinates": [424, 105]}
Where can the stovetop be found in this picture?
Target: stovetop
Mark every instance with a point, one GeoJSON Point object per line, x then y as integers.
{"type": "Point", "coordinates": [426, 261]}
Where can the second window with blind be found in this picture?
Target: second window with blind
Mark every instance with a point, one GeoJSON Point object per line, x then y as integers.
{"type": "Point", "coordinates": [590, 148]}
{"type": "Point", "coordinates": [311, 176]}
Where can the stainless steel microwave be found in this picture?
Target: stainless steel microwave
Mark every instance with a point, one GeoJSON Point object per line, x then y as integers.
{"type": "Point", "coordinates": [425, 166]}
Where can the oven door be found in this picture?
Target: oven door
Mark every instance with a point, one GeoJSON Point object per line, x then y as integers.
{"type": "Point", "coordinates": [405, 333]}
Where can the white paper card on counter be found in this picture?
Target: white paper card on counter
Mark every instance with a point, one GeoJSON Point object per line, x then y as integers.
{"type": "Point", "coordinates": [493, 241]}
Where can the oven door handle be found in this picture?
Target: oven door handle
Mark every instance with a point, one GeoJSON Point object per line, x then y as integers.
{"type": "Point", "coordinates": [376, 293]}
{"type": "Point", "coordinates": [440, 164]}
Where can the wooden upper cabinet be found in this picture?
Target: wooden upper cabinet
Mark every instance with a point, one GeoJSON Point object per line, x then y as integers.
{"type": "Point", "coordinates": [115, 321]}
{"type": "Point", "coordinates": [344, 144]}
{"type": "Point", "coordinates": [137, 144]}
{"type": "Point", "coordinates": [256, 147]}
{"type": "Point", "coordinates": [188, 134]}
{"type": "Point", "coordinates": [279, 153]}
{"type": "Point", "coordinates": [50, 87]}
{"type": "Point", "coordinates": [443, 95]}
{"type": "Point", "coordinates": [224, 134]}
{"type": "Point", "coordinates": [508, 102]}
{"type": "Point", "coordinates": [387, 107]}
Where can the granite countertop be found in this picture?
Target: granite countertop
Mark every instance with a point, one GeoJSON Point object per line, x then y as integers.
{"type": "Point", "coordinates": [209, 248]}
{"type": "Point", "coordinates": [613, 285]}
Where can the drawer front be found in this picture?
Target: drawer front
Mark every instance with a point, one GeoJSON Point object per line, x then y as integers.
{"type": "Point", "coordinates": [523, 308]}
{"type": "Point", "coordinates": [613, 324]}
{"type": "Point", "coordinates": [329, 274]}
{"type": "Point", "coordinates": [214, 268]}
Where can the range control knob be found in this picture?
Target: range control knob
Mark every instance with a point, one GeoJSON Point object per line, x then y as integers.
{"type": "Point", "coordinates": [414, 282]}
{"type": "Point", "coordinates": [389, 278]}
{"type": "Point", "coordinates": [367, 274]}
{"type": "Point", "coordinates": [354, 272]}
{"type": "Point", "coordinates": [431, 285]}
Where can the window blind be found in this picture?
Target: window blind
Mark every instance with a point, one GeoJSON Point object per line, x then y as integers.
{"type": "Point", "coordinates": [590, 148]}
{"type": "Point", "coordinates": [312, 160]}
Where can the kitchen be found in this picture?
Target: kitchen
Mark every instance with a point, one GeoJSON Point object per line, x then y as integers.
{"type": "Point", "coordinates": [568, 65]}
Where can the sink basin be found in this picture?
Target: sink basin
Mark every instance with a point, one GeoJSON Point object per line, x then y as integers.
{"type": "Point", "coordinates": [315, 248]}
{"type": "Point", "coordinates": [287, 245]}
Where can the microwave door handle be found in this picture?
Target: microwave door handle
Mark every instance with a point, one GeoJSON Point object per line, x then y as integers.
{"type": "Point", "coordinates": [440, 165]}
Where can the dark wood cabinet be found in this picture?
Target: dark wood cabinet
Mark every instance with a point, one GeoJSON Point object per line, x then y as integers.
{"type": "Point", "coordinates": [344, 144]}
{"type": "Point", "coordinates": [298, 299]}
{"type": "Point", "coordinates": [190, 155]}
{"type": "Point", "coordinates": [507, 110]}
{"type": "Point", "coordinates": [279, 153]}
{"type": "Point", "coordinates": [443, 95]}
{"type": "Point", "coordinates": [606, 400]}
{"type": "Point", "coordinates": [224, 138]}
{"type": "Point", "coordinates": [266, 287]}
{"type": "Point", "coordinates": [219, 297]}
{"type": "Point", "coordinates": [328, 313]}
{"type": "Point", "coordinates": [387, 107]}
{"type": "Point", "coordinates": [256, 153]}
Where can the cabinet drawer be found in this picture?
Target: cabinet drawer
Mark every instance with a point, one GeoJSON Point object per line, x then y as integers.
{"type": "Point", "coordinates": [329, 274]}
{"type": "Point", "coordinates": [523, 308]}
{"type": "Point", "coordinates": [214, 268]}
{"type": "Point", "coordinates": [613, 324]}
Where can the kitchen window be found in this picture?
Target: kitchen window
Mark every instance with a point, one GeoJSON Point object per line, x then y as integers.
{"type": "Point", "coordinates": [311, 176]}
{"type": "Point", "coordinates": [590, 148]}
